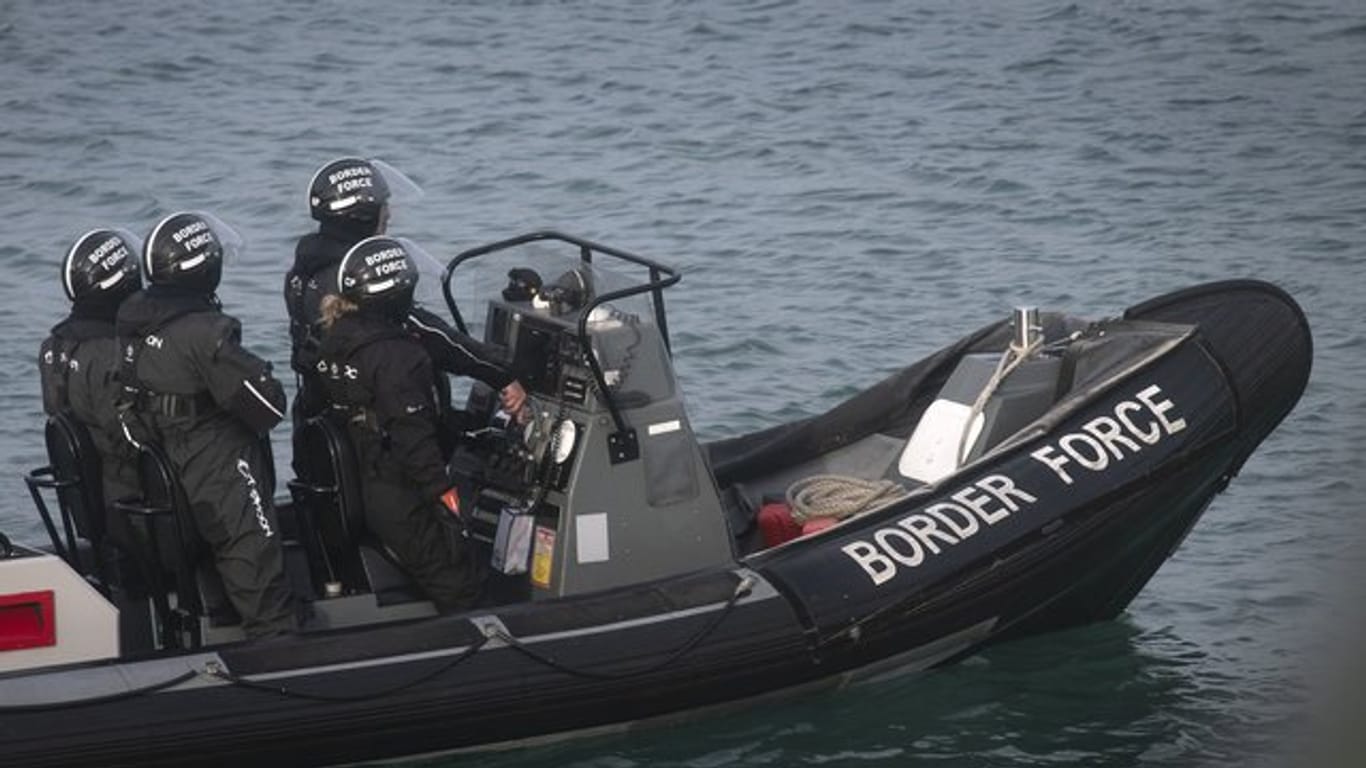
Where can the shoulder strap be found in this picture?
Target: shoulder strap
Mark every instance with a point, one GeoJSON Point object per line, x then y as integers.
{"type": "Point", "coordinates": [126, 370]}
{"type": "Point", "coordinates": [131, 347]}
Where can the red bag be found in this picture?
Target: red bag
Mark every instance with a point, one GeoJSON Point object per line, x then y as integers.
{"type": "Point", "coordinates": [776, 523]}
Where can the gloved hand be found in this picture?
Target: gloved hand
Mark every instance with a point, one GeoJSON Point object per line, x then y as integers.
{"type": "Point", "coordinates": [512, 398]}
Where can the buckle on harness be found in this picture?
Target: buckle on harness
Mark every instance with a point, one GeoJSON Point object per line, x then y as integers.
{"type": "Point", "coordinates": [174, 405]}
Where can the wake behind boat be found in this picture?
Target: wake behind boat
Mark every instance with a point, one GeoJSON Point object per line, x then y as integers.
{"type": "Point", "coordinates": [1031, 476]}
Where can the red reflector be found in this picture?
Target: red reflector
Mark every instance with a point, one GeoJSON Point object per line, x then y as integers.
{"type": "Point", "coordinates": [27, 620]}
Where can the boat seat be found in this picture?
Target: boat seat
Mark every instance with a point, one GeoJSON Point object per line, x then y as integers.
{"type": "Point", "coordinates": [327, 501]}
{"type": "Point", "coordinates": [951, 433]}
{"type": "Point", "coordinates": [74, 475]}
{"type": "Point", "coordinates": [173, 557]}
{"type": "Point", "coordinates": [330, 505]}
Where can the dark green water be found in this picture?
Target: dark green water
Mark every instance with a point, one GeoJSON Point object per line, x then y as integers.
{"type": "Point", "coordinates": [846, 186]}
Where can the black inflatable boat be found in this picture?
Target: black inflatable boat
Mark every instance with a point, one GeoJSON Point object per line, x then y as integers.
{"type": "Point", "coordinates": [1030, 476]}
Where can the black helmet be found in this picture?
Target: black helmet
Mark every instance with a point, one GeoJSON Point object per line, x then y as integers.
{"type": "Point", "coordinates": [100, 268]}
{"type": "Point", "coordinates": [379, 274]}
{"type": "Point", "coordinates": [187, 249]}
{"type": "Point", "coordinates": [354, 189]}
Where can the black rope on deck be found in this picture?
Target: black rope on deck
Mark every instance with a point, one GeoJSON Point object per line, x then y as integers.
{"type": "Point", "coordinates": [8, 709]}
{"type": "Point", "coordinates": [216, 672]}
{"type": "Point", "coordinates": [741, 589]}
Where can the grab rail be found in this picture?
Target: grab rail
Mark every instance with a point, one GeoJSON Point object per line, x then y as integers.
{"type": "Point", "coordinates": [661, 277]}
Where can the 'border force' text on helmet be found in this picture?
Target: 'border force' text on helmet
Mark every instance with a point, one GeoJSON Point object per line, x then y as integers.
{"type": "Point", "coordinates": [358, 190]}
{"type": "Point", "coordinates": [348, 188]}
{"type": "Point", "coordinates": [187, 249]}
{"type": "Point", "coordinates": [100, 268]}
{"type": "Point", "coordinates": [379, 275]}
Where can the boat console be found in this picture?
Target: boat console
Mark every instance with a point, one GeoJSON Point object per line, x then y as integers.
{"type": "Point", "coordinates": [600, 482]}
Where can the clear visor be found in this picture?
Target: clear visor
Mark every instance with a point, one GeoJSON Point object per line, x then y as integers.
{"type": "Point", "coordinates": [229, 238]}
{"type": "Point", "coordinates": [402, 189]}
{"type": "Point", "coordinates": [428, 290]}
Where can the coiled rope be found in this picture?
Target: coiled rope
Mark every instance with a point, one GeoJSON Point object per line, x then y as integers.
{"type": "Point", "coordinates": [839, 496]}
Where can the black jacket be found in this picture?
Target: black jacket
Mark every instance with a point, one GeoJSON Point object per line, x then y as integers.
{"type": "Point", "coordinates": [76, 366]}
{"type": "Point", "coordinates": [314, 275]}
{"type": "Point", "coordinates": [382, 380]}
{"type": "Point", "coordinates": [192, 388]}
{"type": "Point", "coordinates": [185, 359]}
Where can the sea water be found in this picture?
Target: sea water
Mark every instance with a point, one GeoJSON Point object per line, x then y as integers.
{"type": "Point", "coordinates": [846, 187]}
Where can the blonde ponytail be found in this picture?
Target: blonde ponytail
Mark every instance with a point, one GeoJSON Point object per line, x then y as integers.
{"type": "Point", "coordinates": [333, 307]}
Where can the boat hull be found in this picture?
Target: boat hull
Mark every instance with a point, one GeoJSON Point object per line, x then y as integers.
{"type": "Point", "coordinates": [1030, 538]}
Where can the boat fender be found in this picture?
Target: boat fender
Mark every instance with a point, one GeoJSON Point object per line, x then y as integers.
{"type": "Point", "coordinates": [776, 523]}
{"type": "Point", "coordinates": [817, 524]}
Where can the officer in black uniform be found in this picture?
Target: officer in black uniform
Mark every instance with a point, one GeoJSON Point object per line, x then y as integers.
{"type": "Point", "coordinates": [76, 364]}
{"type": "Point", "coordinates": [349, 198]}
{"type": "Point", "coordinates": [210, 404]}
{"type": "Point", "coordinates": [382, 381]}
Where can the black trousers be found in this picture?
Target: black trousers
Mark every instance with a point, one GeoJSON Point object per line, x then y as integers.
{"type": "Point", "coordinates": [431, 550]}
{"type": "Point", "coordinates": [227, 483]}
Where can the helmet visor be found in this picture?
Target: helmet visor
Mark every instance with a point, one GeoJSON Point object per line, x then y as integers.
{"type": "Point", "coordinates": [428, 291]}
{"type": "Point", "coordinates": [229, 238]}
{"type": "Point", "coordinates": [402, 189]}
